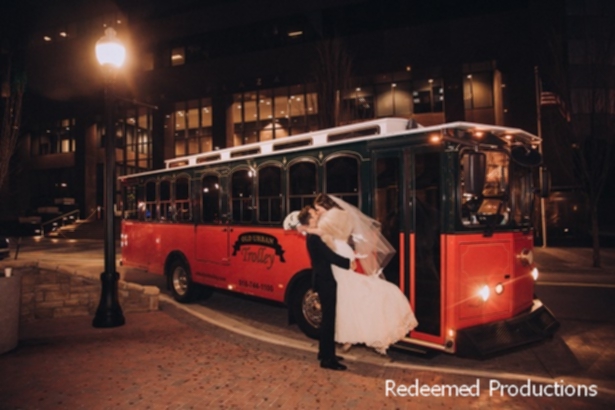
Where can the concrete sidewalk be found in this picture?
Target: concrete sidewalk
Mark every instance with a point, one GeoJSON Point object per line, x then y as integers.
{"type": "Point", "coordinates": [574, 259]}
{"type": "Point", "coordinates": [566, 264]}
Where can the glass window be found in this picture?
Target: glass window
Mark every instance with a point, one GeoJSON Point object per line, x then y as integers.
{"type": "Point", "coordinates": [193, 126]}
{"type": "Point", "coordinates": [387, 204]}
{"type": "Point", "coordinates": [312, 108]}
{"type": "Point", "coordinates": [57, 138]}
{"type": "Point", "coordinates": [265, 115]}
{"type": "Point", "coordinates": [281, 104]}
{"type": "Point", "coordinates": [491, 206]}
{"type": "Point", "coordinates": [387, 195]}
{"type": "Point", "coordinates": [272, 113]}
{"type": "Point", "coordinates": [301, 185]}
{"type": "Point", "coordinates": [270, 194]}
{"type": "Point", "coordinates": [144, 160]}
{"type": "Point", "coordinates": [134, 136]}
{"type": "Point", "coordinates": [342, 178]}
{"type": "Point", "coordinates": [166, 209]}
{"type": "Point", "coordinates": [141, 202]}
{"type": "Point", "coordinates": [241, 195]}
{"type": "Point", "coordinates": [192, 122]}
{"type": "Point", "coordinates": [250, 106]}
{"type": "Point", "coordinates": [496, 183]}
{"type": "Point", "coordinates": [178, 56]}
{"type": "Point", "coordinates": [150, 200]}
{"type": "Point", "coordinates": [130, 202]}
{"type": "Point", "coordinates": [521, 194]}
{"type": "Point", "coordinates": [426, 225]}
{"type": "Point", "coordinates": [237, 113]}
{"type": "Point", "coordinates": [65, 137]}
{"type": "Point", "coordinates": [180, 130]}
{"type": "Point", "coordinates": [182, 200]}
{"type": "Point", "coordinates": [428, 96]}
{"type": "Point", "coordinates": [296, 112]}
{"type": "Point", "coordinates": [478, 90]}
{"type": "Point", "coordinates": [358, 105]}
{"type": "Point", "coordinates": [402, 99]}
{"type": "Point", "coordinates": [210, 203]}
{"type": "Point", "coordinates": [384, 100]}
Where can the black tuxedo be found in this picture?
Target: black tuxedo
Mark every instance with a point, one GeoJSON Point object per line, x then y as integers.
{"type": "Point", "coordinates": [322, 258]}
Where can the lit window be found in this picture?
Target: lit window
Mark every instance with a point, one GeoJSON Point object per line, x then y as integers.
{"type": "Point", "coordinates": [178, 56]}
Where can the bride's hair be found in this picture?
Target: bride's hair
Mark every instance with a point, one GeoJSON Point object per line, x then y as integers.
{"type": "Point", "coordinates": [325, 201]}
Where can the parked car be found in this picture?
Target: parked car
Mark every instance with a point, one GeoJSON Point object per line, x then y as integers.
{"type": "Point", "coordinates": [4, 248]}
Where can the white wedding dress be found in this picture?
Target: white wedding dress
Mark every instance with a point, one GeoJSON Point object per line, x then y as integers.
{"type": "Point", "coordinates": [369, 309]}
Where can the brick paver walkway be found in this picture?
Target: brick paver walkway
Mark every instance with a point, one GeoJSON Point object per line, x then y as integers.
{"type": "Point", "coordinates": [170, 360]}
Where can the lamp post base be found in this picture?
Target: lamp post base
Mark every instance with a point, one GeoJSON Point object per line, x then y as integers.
{"type": "Point", "coordinates": [109, 312]}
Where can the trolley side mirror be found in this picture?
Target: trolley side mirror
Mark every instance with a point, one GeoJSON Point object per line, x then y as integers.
{"type": "Point", "coordinates": [474, 172]}
{"type": "Point", "coordinates": [545, 182]}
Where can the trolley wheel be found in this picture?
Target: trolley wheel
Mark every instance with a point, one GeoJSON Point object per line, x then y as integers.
{"type": "Point", "coordinates": [305, 308]}
{"type": "Point", "coordinates": [180, 282]}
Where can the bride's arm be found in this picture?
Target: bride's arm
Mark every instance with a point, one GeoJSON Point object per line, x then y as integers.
{"type": "Point", "coordinates": [307, 229]}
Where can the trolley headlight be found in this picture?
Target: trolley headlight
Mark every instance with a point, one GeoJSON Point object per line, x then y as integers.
{"type": "Point", "coordinates": [499, 289]}
{"type": "Point", "coordinates": [535, 273]}
{"type": "Point", "coordinates": [484, 293]}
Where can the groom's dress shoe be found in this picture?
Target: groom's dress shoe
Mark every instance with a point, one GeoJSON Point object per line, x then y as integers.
{"type": "Point", "coordinates": [338, 358]}
{"type": "Point", "coordinates": [332, 364]}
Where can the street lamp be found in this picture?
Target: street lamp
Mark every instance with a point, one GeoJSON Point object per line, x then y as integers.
{"type": "Point", "coordinates": [110, 53]}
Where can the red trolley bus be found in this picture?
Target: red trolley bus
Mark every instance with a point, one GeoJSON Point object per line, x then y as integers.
{"type": "Point", "coordinates": [455, 200]}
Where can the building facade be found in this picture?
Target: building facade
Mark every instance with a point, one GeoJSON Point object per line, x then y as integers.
{"type": "Point", "coordinates": [207, 75]}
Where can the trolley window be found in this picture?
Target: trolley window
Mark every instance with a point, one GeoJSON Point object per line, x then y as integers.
{"type": "Point", "coordinates": [166, 208]}
{"type": "Point", "coordinates": [270, 194]}
{"type": "Point", "coordinates": [150, 200]}
{"type": "Point", "coordinates": [342, 177]}
{"type": "Point", "coordinates": [182, 200]}
{"type": "Point", "coordinates": [241, 189]}
{"type": "Point", "coordinates": [131, 210]}
{"type": "Point", "coordinates": [302, 185]}
{"type": "Point", "coordinates": [210, 204]}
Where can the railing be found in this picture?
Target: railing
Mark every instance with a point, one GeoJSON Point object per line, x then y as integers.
{"type": "Point", "coordinates": [54, 222]}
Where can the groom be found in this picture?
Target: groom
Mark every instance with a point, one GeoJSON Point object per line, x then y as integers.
{"type": "Point", "coordinates": [324, 283]}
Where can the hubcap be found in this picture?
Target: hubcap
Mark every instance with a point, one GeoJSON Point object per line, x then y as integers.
{"type": "Point", "coordinates": [311, 308]}
{"type": "Point", "coordinates": [180, 281]}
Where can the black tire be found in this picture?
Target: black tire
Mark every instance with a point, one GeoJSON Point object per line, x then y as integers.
{"type": "Point", "coordinates": [180, 282]}
{"type": "Point", "coordinates": [305, 308]}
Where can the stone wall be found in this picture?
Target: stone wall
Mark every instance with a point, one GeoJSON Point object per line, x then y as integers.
{"type": "Point", "coordinates": [49, 291]}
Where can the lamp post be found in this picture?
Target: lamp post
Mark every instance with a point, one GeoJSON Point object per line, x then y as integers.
{"type": "Point", "coordinates": [110, 54]}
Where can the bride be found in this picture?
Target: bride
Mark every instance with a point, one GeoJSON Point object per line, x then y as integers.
{"type": "Point", "coordinates": [369, 309]}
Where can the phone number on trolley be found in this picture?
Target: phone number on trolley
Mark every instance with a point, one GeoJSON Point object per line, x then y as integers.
{"type": "Point", "coordinates": [255, 285]}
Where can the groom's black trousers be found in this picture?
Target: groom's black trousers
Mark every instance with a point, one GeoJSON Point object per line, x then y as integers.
{"type": "Point", "coordinates": [322, 258]}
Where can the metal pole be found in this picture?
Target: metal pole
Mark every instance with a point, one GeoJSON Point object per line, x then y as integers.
{"type": "Point", "coordinates": [543, 216]}
{"type": "Point", "coordinates": [109, 312]}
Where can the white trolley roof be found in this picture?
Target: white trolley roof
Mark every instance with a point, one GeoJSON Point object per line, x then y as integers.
{"type": "Point", "coordinates": [368, 130]}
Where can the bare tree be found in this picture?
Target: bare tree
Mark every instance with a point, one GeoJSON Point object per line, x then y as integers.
{"type": "Point", "coordinates": [12, 37]}
{"type": "Point", "coordinates": [332, 72]}
{"type": "Point", "coordinates": [11, 97]}
{"type": "Point", "coordinates": [582, 71]}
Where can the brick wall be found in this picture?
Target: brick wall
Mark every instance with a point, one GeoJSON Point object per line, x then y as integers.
{"type": "Point", "coordinates": [49, 291]}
